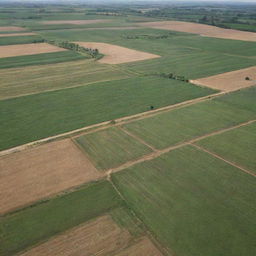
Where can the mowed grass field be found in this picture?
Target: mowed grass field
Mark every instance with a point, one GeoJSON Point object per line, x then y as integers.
{"type": "Point", "coordinates": [20, 39]}
{"type": "Point", "coordinates": [16, 82]}
{"type": "Point", "coordinates": [40, 59]}
{"type": "Point", "coordinates": [237, 145]}
{"type": "Point", "coordinates": [111, 147]}
{"type": "Point", "coordinates": [34, 224]}
{"type": "Point", "coordinates": [33, 117]}
{"type": "Point", "coordinates": [193, 203]}
{"type": "Point", "coordinates": [186, 123]}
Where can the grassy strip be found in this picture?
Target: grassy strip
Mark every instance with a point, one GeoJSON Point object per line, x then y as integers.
{"type": "Point", "coordinates": [34, 117]}
{"type": "Point", "coordinates": [111, 147]}
{"type": "Point", "coordinates": [193, 203]}
{"type": "Point", "coordinates": [39, 59]}
{"type": "Point", "coordinates": [237, 145]}
{"type": "Point", "coordinates": [31, 225]}
{"type": "Point", "coordinates": [20, 40]}
{"type": "Point", "coordinates": [184, 124]}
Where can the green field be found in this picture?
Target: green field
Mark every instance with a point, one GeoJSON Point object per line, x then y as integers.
{"type": "Point", "coordinates": [194, 204]}
{"type": "Point", "coordinates": [111, 147]}
{"type": "Point", "coordinates": [34, 224]}
{"type": "Point", "coordinates": [39, 59]}
{"type": "Point", "coordinates": [20, 40]}
{"type": "Point", "coordinates": [16, 82]}
{"type": "Point", "coordinates": [33, 117]}
{"type": "Point", "coordinates": [180, 125]}
{"type": "Point", "coordinates": [237, 145]}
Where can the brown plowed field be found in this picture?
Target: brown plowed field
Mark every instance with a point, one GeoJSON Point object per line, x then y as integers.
{"type": "Point", "coordinates": [115, 54]}
{"type": "Point", "coordinates": [11, 28]}
{"type": "Point", "coordinates": [99, 237]}
{"type": "Point", "coordinates": [17, 34]}
{"type": "Point", "coordinates": [229, 81]}
{"type": "Point", "coordinates": [202, 29]}
{"type": "Point", "coordinates": [27, 49]}
{"type": "Point", "coordinates": [142, 248]}
{"type": "Point", "coordinates": [73, 22]}
{"type": "Point", "coordinates": [39, 172]}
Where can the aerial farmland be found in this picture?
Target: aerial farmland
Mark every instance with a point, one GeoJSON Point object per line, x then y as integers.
{"type": "Point", "coordinates": [127, 129]}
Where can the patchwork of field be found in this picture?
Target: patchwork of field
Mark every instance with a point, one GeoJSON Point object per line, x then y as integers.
{"type": "Point", "coordinates": [16, 82]}
{"type": "Point", "coordinates": [187, 123]}
{"type": "Point", "coordinates": [189, 200]}
{"type": "Point", "coordinates": [230, 81]}
{"type": "Point", "coordinates": [237, 146]}
{"type": "Point", "coordinates": [40, 172]}
{"type": "Point", "coordinates": [73, 22]}
{"type": "Point", "coordinates": [202, 29]}
{"type": "Point", "coordinates": [28, 49]}
{"type": "Point", "coordinates": [111, 147]}
{"type": "Point", "coordinates": [87, 105]}
{"type": "Point", "coordinates": [11, 28]}
{"type": "Point", "coordinates": [115, 54]}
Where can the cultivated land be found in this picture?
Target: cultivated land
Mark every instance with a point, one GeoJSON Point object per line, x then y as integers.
{"type": "Point", "coordinates": [35, 79]}
{"type": "Point", "coordinates": [230, 81]}
{"type": "Point", "coordinates": [17, 34]}
{"type": "Point", "coordinates": [203, 30]}
{"type": "Point", "coordinates": [27, 49]}
{"type": "Point", "coordinates": [237, 146]}
{"type": "Point", "coordinates": [11, 28]}
{"type": "Point", "coordinates": [87, 105]}
{"type": "Point", "coordinates": [40, 172]}
{"type": "Point", "coordinates": [188, 200]}
{"type": "Point", "coordinates": [18, 40]}
{"type": "Point", "coordinates": [73, 22]}
{"type": "Point", "coordinates": [115, 54]}
{"type": "Point", "coordinates": [111, 147]}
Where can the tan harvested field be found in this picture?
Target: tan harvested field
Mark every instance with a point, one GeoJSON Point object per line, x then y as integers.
{"type": "Point", "coordinates": [100, 237]}
{"type": "Point", "coordinates": [142, 248]}
{"type": "Point", "coordinates": [115, 54]}
{"type": "Point", "coordinates": [229, 81]}
{"type": "Point", "coordinates": [72, 22]}
{"type": "Point", "coordinates": [39, 172]}
{"type": "Point", "coordinates": [17, 34]}
{"type": "Point", "coordinates": [11, 28]}
{"type": "Point", "coordinates": [27, 49]}
{"type": "Point", "coordinates": [202, 29]}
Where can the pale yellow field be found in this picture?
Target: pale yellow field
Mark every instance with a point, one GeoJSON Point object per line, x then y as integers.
{"type": "Point", "coordinates": [11, 28]}
{"type": "Point", "coordinates": [17, 34]}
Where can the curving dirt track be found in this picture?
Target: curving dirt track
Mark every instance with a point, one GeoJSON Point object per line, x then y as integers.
{"type": "Point", "coordinates": [27, 49]}
{"type": "Point", "coordinates": [202, 29]}
{"type": "Point", "coordinates": [42, 171]}
{"type": "Point", "coordinates": [115, 54]}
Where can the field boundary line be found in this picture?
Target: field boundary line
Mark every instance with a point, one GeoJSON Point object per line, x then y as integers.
{"type": "Point", "coordinates": [223, 159]}
{"type": "Point", "coordinates": [106, 124]}
{"type": "Point", "coordinates": [136, 138]}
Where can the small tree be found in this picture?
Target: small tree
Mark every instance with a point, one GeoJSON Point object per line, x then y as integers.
{"type": "Point", "coordinates": [151, 107]}
{"type": "Point", "coordinates": [247, 78]}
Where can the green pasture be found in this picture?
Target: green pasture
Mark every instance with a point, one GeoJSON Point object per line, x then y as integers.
{"type": "Point", "coordinates": [20, 40]}
{"type": "Point", "coordinates": [238, 145]}
{"type": "Point", "coordinates": [183, 124]}
{"type": "Point", "coordinates": [37, 223]}
{"type": "Point", "coordinates": [111, 147]}
{"type": "Point", "coordinates": [33, 117]}
{"type": "Point", "coordinates": [193, 203]}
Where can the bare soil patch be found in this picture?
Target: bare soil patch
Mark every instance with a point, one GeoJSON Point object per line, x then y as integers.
{"type": "Point", "coordinates": [142, 248]}
{"type": "Point", "coordinates": [27, 49]}
{"type": "Point", "coordinates": [99, 237]}
{"type": "Point", "coordinates": [36, 173]}
{"type": "Point", "coordinates": [11, 28]}
{"type": "Point", "coordinates": [202, 29]}
{"type": "Point", "coordinates": [229, 81]}
{"type": "Point", "coordinates": [73, 22]}
{"type": "Point", "coordinates": [115, 54]}
{"type": "Point", "coordinates": [18, 34]}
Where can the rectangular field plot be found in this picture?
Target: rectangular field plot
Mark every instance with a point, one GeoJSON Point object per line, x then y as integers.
{"type": "Point", "coordinates": [35, 79]}
{"type": "Point", "coordinates": [39, 59]}
{"type": "Point", "coordinates": [237, 146]}
{"type": "Point", "coordinates": [33, 174]}
{"type": "Point", "coordinates": [11, 39]}
{"type": "Point", "coordinates": [27, 49]}
{"type": "Point", "coordinates": [187, 197]}
{"type": "Point", "coordinates": [36, 224]}
{"type": "Point", "coordinates": [87, 105]}
{"type": "Point", "coordinates": [180, 125]}
{"type": "Point", "coordinates": [11, 28]}
{"type": "Point", "coordinates": [111, 147]}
